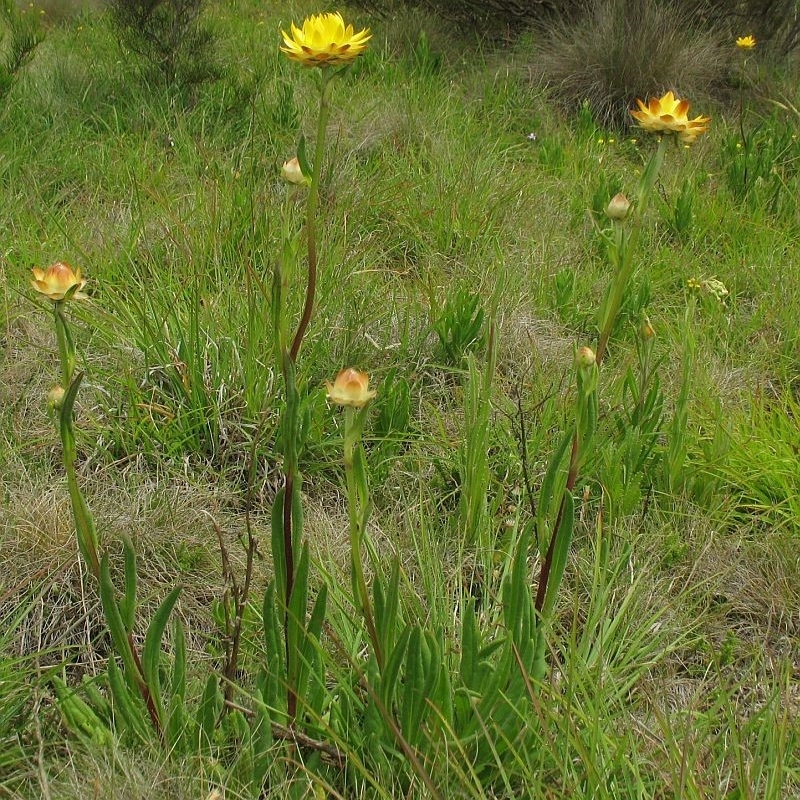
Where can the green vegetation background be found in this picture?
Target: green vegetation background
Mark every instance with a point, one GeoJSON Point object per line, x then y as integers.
{"type": "Point", "coordinates": [466, 170]}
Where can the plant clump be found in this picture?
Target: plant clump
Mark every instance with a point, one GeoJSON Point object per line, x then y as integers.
{"type": "Point", "coordinates": [618, 50]}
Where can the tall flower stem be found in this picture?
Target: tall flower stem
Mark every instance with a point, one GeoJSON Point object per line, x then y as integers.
{"type": "Point", "coordinates": [288, 360]}
{"type": "Point", "coordinates": [625, 246]}
{"type": "Point", "coordinates": [622, 250]}
{"type": "Point", "coordinates": [742, 133]}
{"type": "Point", "coordinates": [311, 212]}
{"type": "Point", "coordinates": [84, 522]}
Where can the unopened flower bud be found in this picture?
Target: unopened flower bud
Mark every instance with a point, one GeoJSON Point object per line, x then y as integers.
{"type": "Point", "coordinates": [55, 398]}
{"type": "Point", "coordinates": [618, 208]}
{"type": "Point", "coordinates": [585, 357]}
{"type": "Point", "coordinates": [351, 388]}
{"type": "Point", "coordinates": [292, 172]}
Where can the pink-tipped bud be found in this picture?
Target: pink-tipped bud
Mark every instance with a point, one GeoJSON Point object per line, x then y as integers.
{"type": "Point", "coordinates": [351, 388]}
{"type": "Point", "coordinates": [618, 208]}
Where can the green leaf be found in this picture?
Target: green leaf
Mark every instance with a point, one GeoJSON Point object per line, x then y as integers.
{"type": "Point", "coordinates": [130, 707]}
{"type": "Point", "coordinates": [386, 607]}
{"type": "Point", "coordinates": [560, 554]}
{"type": "Point", "coordinates": [176, 725]}
{"type": "Point", "coordinates": [295, 622]}
{"type": "Point", "coordinates": [302, 157]}
{"type": "Point", "coordinates": [468, 668]}
{"type": "Point", "coordinates": [278, 552]}
{"type": "Point", "coordinates": [127, 607]}
{"type": "Point", "coordinates": [116, 626]}
{"type": "Point", "coordinates": [391, 670]}
{"type": "Point", "coordinates": [297, 515]}
{"type": "Point", "coordinates": [548, 492]}
{"type": "Point", "coordinates": [413, 679]}
{"type": "Point", "coordinates": [68, 402]}
{"type": "Point", "coordinates": [151, 655]}
{"type": "Point", "coordinates": [262, 739]}
{"type": "Point", "coordinates": [178, 687]}
{"type": "Point", "coordinates": [207, 714]}
{"type": "Point", "coordinates": [79, 715]}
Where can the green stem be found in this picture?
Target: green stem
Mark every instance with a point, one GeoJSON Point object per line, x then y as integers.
{"type": "Point", "coordinates": [84, 523]}
{"type": "Point", "coordinates": [358, 508]}
{"type": "Point", "coordinates": [741, 125]}
{"type": "Point", "coordinates": [627, 245]}
{"type": "Point", "coordinates": [311, 212]}
{"type": "Point", "coordinates": [66, 348]}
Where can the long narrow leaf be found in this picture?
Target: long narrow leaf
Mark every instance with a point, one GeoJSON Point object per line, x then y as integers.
{"type": "Point", "coordinates": [563, 541]}
{"type": "Point", "coordinates": [151, 655]}
{"type": "Point", "coordinates": [116, 626]}
{"type": "Point", "coordinates": [127, 607]}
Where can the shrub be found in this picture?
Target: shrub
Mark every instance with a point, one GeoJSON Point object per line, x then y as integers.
{"type": "Point", "coordinates": [774, 22]}
{"type": "Point", "coordinates": [619, 50]}
{"type": "Point", "coordinates": [170, 36]}
{"type": "Point", "coordinates": [21, 35]}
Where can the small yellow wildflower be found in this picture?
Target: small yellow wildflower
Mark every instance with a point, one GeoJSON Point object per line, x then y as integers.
{"type": "Point", "coordinates": [667, 114]}
{"type": "Point", "coordinates": [324, 41]}
{"type": "Point", "coordinates": [746, 42]}
{"type": "Point", "coordinates": [709, 286]}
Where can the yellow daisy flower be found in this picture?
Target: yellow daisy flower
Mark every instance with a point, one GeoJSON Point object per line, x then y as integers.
{"type": "Point", "coordinates": [667, 114]}
{"type": "Point", "coordinates": [324, 41]}
{"type": "Point", "coordinates": [746, 42]}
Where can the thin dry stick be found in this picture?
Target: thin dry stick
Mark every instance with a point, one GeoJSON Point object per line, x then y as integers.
{"type": "Point", "coordinates": [295, 736]}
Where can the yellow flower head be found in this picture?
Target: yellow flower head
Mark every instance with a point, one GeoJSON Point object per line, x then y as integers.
{"type": "Point", "coordinates": [746, 42]}
{"type": "Point", "coordinates": [351, 388]}
{"type": "Point", "coordinates": [56, 281]}
{"type": "Point", "coordinates": [324, 41]}
{"type": "Point", "coordinates": [670, 115]}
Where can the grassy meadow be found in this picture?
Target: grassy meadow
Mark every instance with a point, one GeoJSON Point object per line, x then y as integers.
{"type": "Point", "coordinates": [463, 256]}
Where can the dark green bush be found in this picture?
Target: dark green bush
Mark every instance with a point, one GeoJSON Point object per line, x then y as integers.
{"type": "Point", "coordinates": [20, 34]}
{"type": "Point", "coordinates": [170, 37]}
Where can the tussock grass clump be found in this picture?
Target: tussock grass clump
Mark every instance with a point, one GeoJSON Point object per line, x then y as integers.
{"type": "Point", "coordinates": [619, 50]}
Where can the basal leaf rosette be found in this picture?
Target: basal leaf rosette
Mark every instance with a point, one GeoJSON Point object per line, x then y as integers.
{"type": "Point", "coordinates": [324, 41]}
{"type": "Point", "coordinates": [669, 115]}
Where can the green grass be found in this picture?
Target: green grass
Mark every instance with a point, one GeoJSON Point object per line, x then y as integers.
{"type": "Point", "coordinates": [670, 660]}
